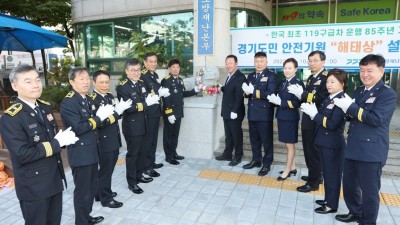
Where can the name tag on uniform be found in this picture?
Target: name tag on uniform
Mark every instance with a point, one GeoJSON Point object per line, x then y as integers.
{"type": "Point", "coordinates": [264, 79]}
{"type": "Point", "coordinates": [143, 90]}
{"type": "Point", "coordinates": [318, 82]}
{"type": "Point", "coordinates": [31, 126]}
{"type": "Point", "coordinates": [93, 107]}
{"type": "Point", "coordinates": [330, 106]}
{"type": "Point", "coordinates": [370, 100]}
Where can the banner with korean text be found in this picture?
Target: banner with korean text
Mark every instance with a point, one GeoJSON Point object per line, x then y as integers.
{"type": "Point", "coordinates": [344, 44]}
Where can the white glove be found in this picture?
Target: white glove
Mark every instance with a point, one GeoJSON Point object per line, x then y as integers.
{"type": "Point", "coordinates": [122, 106]}
{"type": "Point", "coordinates": [274, 99]}
{"type": "Point", "coordinates": [343, 103]}
{"type": "Point", "coordinates": [151, 100]}
{"type": "Point", "coordinates": [233, 115]}
{"type": "Point", "coordinates": [296, 90]}
{"type": "Point", "coordinates": [105, 111]}
{"type": "Point", "coordinates": [251, 88]}
{"type": "Point", "coordinates": [309, 109]}
{"type": "Point", "coordinates": [163, 92]}
{"type": "Point", "coordinates": [246, 89]}
{"type": "Point", "coordinates": [171, 119]}
{"type": "Point", "coordinates": [199, 88]}
{"type": "Point", "coordinates": [66, 137]}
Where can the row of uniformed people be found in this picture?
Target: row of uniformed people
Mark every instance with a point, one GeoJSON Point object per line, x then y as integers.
{"type": "Point", "coordinates": [362, 159]}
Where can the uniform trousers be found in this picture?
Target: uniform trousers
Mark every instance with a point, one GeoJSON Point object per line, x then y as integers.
{"type": "Point", "coordinates": [332, 169]}
{"type": "Point", "coordinates": [311, 156]}
{"type": "Point", "coordinates": [134, 158]}
{"type": "Point", "coordinates": [261, 132]}
{"type": "Point", "coordinates": [170, 137]}
{"type": "Point", "coordinates": [233, 138]}
{"type": "Point", "coordinates": [361, 185]}
{"type": "Point", "coordinates": [107, 164]}
{"type": "Point", "coordinates": [44, 211]}
{"type": "Point", "coordinates": [151, 138]}
{"type": "Point", "coordinates": [85, 180]}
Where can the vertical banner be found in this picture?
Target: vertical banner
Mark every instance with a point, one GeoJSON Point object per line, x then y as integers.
{"type": "Point", "coordinates": [205, 29]}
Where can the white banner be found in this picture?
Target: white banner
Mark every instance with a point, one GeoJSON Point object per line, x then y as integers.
{"type": "Point", "coordinates": [344, 44]}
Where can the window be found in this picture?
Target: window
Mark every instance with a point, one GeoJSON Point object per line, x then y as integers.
{"type": "Point", "coordinates": [100, 40]}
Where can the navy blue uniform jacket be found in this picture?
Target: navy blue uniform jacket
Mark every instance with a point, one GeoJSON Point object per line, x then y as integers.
{"type": "Point", "coordinates": [368, 137]}
{"type": "Point", "coordinates": [330, 125]}
{"type": "Point", "coordinates": [259, 108]}
{"type": "Point", "coordinates": [108, 131]}
{"type": "Point", "coordinates": [289, 108]}
{"type": "Point", "coordinates": [78, 113]}
{"type": "Point", "coordinates": [35, 157]}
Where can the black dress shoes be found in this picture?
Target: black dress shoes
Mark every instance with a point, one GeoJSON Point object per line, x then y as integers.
{"type": "Point", "coordinates": [223, 158]}
{"type": "Point", "coordinates": [97, 219]}
{"type": "Point", "coordinates": [157, 165]}
{"type": "Point", "coordinates": [264, 171]}
{"type": "Point", "coordinates": [113, 204]}
{"type": "Point", "coordinates": [235, 161]}
{"type": "Point", "coordinates": [179, 157]}
{"type": "Point", "coordinates": [143, 179]}
{"type": "Point", "coordinates": [320, 202]}
{"type": "Point", "coordinates": [172, 161]}
{"type": "Point", "coordinates": [294, 172]}
{"type": "Point", "coordinates": [347, 218]}
{"type": "Point", "coordinates": [135, 189]}
{"type": "Point", "coordinates": [324, 210]}
{"type": "Point", "coordinates": [307, 188]}
{"type": "Point", "coordinates": [252, 164]}
{"type": "Point", "coordinates": [152, 173]}
{"type": "Point", "coordinates": [97, 198]}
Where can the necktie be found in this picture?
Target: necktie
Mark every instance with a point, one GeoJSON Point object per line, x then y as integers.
{"type": "Point", "coordinates": [227, 79]}
{"type": "Point", "coordinates": [257, 75]}
{"type": "Point", "coordinates": [365, 92]}
{"type": "Point", "coordinates": [285, 84]}
{"type": "Point", "coordinates": [39, 113]}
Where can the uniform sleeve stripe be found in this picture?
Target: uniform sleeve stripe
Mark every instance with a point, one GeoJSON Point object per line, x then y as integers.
{"type": "Point", "coordinates": [93, 123]}
{"type": "Point", "coordinates": [112, 119]}
{"type": "Point", "coordinates": [310, 97]}
{"type": "Point", "coordinates": [48, 149]}
{"type": "Point", "coordinates": [139, 106]}
{"type": "Point", "coordinates": [258, 94]}
{"type": "Point", "coordinates": [290, 104]}
{"type": "Point", "coordinates": [360, 112]}
{"type": "Point", "coordinates": [324, 121]}
{"type": "Point", "coordinates": [168, 111]}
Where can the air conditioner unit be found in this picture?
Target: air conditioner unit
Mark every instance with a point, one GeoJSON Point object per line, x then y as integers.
{"type": "Point", "coordinates": [10, 61]}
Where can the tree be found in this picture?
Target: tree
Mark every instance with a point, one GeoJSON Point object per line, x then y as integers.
{"type": "Point", "coordinates": [51, 13]}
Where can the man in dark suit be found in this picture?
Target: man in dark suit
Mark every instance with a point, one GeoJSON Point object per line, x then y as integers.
{"type": "Point", "coordinates": [367, 142]}
{"type": "Point", "coordinates": [153, 113]}
{"type": "Point", "coordinates": [173, 110]}
{"type": "Point", "coordinates": [77, 111]}
{"type": "Point", "coordinates": [134, 124]}
{"type": "Point", "coordinates": [109, 138]}
{"type": "Point", "coordinates": [260, 113]}
{"type": "Point", "coordinates": [30, 131]}
{"type": "Point", "coordinates": [315, 92]}
{"type": "Point", "coordinates": [232, 111]}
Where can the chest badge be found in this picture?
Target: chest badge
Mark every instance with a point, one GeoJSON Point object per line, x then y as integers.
{"type": "Point", "coordinates": [50, 117]}
{"type": "Point", "coordinates": [36, 138]}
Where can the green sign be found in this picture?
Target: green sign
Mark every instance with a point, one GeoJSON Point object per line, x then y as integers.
{"type": "Point", "coordinates": [379, 10]}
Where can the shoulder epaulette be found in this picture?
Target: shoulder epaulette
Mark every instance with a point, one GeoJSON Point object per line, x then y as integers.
{"type": "Point", "coordinates": [70, 94]}
{"type": "Point", "coordinates": [109, 92]}
{"type": "Point", "coordinates": [93, 95]}
{"type": "Point", "coordinates": [141, 80]}
{"type": "Point", "coordinates": [14, 109]}
{"type": "Point", "coordinates": [167, 77]}
{"type": "Point", "coordinates": [325, 73]}
{"type": "Point", "coordinates": [122, 82]}
{"type": "Point", "coordinates": [144, 71]}
{"type": "Point", "coordinates": [43, 102]}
